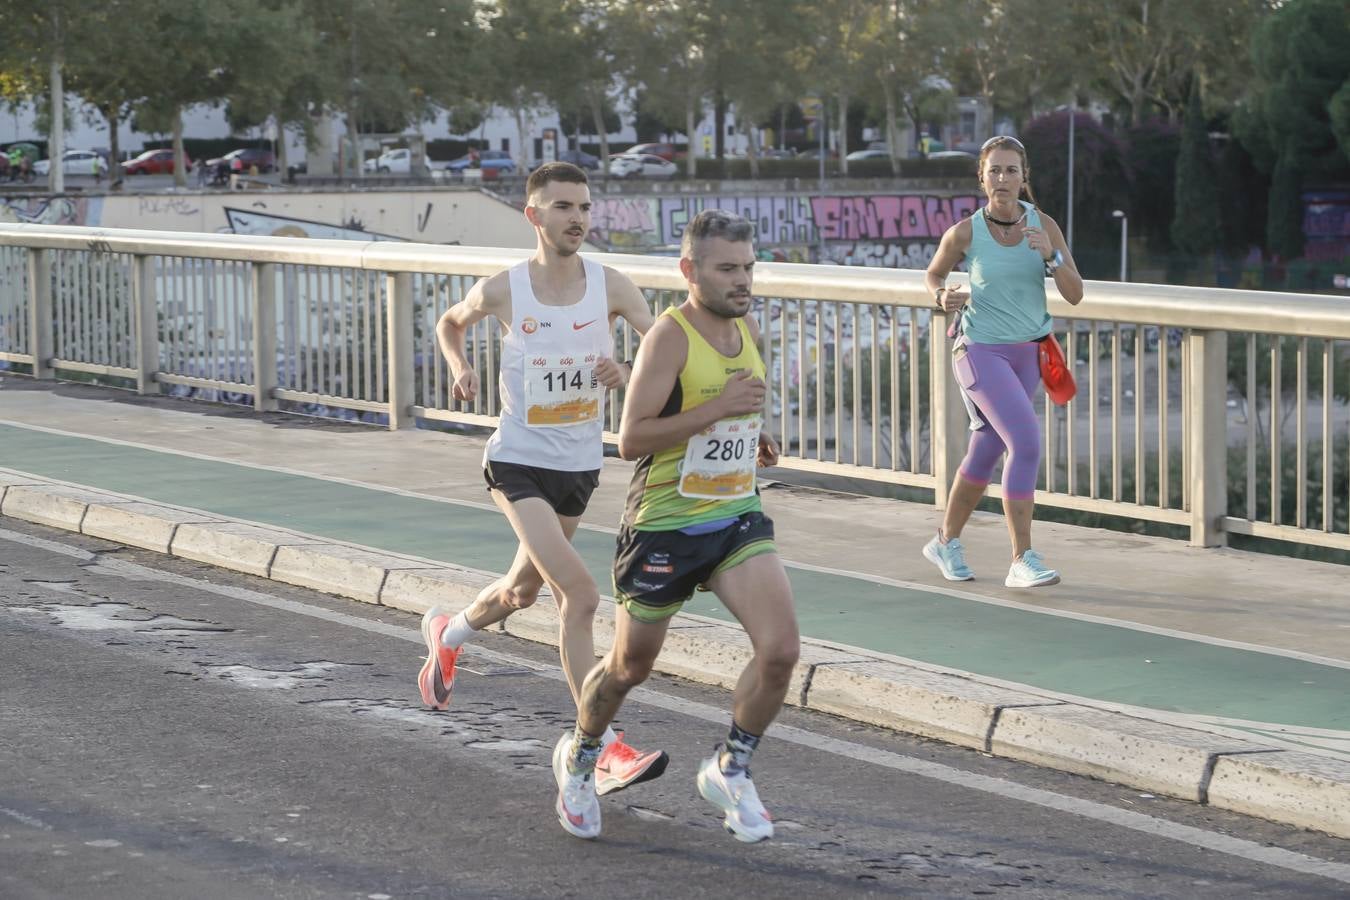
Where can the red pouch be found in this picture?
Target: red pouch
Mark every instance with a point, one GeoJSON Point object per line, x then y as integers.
{"type": "Point", "coordinates": [1055, 372]}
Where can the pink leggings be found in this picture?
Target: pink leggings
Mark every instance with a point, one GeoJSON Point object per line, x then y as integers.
{"type": "Point", "coordinates": [1001, 379]}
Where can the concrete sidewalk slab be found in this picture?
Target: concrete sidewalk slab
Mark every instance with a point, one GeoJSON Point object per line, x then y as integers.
{"type": "Point", "coordinates": [145, 525]}
{"type": "Point", "coordinates": [952, 708]}
{"type": "Point", "coordinates": [233, 545]}
{"type": "Point", "coordinates": [336, 569]}
{"type": "Point", "coordinates": [1299, 788]}
{"type": "Point", "coordinates": [57, 506]}
{"type": "Point", "coordinates": [1154, 756]}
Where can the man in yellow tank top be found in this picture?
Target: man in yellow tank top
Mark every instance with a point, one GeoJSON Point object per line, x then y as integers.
{"type": "Point", "coordinates": [692, 418]}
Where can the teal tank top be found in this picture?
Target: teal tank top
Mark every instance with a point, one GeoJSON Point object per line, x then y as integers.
{"type": "Point", "coordinates": [1007, 287]}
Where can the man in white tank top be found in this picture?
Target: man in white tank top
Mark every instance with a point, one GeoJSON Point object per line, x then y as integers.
{"type": "Point", "coordinates": [557, 315]}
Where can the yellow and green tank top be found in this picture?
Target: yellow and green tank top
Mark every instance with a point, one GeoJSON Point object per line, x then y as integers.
{"type": "Point", "coordinates": [712, 475]}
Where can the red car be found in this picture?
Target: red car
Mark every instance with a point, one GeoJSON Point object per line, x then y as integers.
{"type": "Point", "coordinates": [153, 162]}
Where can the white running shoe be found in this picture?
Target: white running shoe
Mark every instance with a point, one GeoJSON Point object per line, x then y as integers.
{"type": "Point", "coordinates": [578, 807]}
{"type": "Point", "coordinates": [949, 557]}
{"type": "Point", "coordinates": [1030, 570]}
{"type": "Point", "coordinates": [735, 795]}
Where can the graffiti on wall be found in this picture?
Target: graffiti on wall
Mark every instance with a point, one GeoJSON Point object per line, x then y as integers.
{"type": "Point", "coordinates": [622, 223]}
{"type": "Point", "coordinates": [243, 221]}
{"type": "Point", "coordinates": [894, 230]}
{"type": "Point", "coordinates": [56, 211]}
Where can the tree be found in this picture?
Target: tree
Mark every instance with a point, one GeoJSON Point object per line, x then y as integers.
{"type": "Point", "coordinates": [1195, 219]}
{"type": "Point", "coordinates": [1300, 65]}
{"type": "Point", "coordinates": [1102, 178]}
{"type": "Point", "coordinates": [663, 53]}
{"type": "Point", "coordinates": [39, 35]}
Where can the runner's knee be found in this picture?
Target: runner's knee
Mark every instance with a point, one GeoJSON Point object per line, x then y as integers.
{"type": "Point", "coordinates": [520, 597]}
{"type": "Point", "coordinates": [778, 658]}
{"type": "Point", "coordinates": [579, 601]}
{"type": "Point", "coordinates": [630, 669]}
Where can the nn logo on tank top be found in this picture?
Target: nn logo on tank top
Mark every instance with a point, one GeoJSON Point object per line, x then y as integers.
{"type": "Point", "coordinates": [530, 325]}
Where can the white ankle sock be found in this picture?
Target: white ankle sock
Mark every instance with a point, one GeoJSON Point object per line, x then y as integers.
{"type": "Point", "coordinates": [458, 631]}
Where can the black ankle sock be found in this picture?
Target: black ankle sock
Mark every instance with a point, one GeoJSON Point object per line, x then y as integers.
{"type": "Point", "coordinates": [736, 752]}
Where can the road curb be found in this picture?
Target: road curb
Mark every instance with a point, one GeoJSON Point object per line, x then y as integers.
{"type": "Point", "coordinates": [1301, 789]}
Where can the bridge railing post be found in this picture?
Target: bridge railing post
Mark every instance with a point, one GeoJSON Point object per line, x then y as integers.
{"type": "Point", "coordinates": [264, 337]}
{"type": "Point", "coordinates": [1208, 436]}
{"type": "Point", "coordinates": [948, 422]}
{"type": "Point", "coordinates": [41, 334]}
{"type": "Point", "coordinates": [146, 307]}
{"type": "Point", "coordinates": [399, 322]}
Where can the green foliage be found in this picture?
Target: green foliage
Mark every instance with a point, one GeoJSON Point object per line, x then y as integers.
{"type": "Point", "coordinates": [1102, 178]}
{"type": "Point", "coordinates": [1154, 146]}
{"type": "Point", "coordinates": [1195, 220]}
{"type": "Point", "coordinates": [1284, 222]}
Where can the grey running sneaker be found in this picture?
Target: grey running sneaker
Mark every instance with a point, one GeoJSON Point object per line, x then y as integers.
{"type": "Point", "coordinates": [1030, 570]}
{"type": "Point", "coordinates": [746, 817]}
{"type": "Point", "coordinates": [578, 807]}
{"type": "Point", "coordinates": [950, 558]}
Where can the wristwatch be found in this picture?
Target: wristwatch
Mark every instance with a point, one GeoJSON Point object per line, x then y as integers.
{"type": "Point", "coordinates": [937, 296]}
{"type": "Point", "coordinates": [1054, 263]}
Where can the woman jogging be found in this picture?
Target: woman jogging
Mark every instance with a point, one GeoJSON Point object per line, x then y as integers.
{"type": "Point", "coordinates": [1010, 248]}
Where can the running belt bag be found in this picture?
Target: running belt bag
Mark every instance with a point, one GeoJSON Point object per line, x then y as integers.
{"type": "Point", "coordinates": [1055, 372]}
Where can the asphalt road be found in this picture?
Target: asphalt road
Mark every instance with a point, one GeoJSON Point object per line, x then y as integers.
{"type": "Point", "coordinates": [171, 730]}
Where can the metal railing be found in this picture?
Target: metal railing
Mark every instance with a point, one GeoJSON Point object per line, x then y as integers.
{"type": "Point", "coordinates": [1220, 411]}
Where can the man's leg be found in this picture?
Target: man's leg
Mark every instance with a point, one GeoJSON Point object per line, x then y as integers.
{"type": "Point", "coordinates": [548, 543]}
{"type": "Point", "coordinates": [575, 758]}
{"type": "Point", "coordinates": [757, 592]}
{"type": "Point", "coordinates": [517, 589]}
{"type": "Point", "coordinates": [628, 663]}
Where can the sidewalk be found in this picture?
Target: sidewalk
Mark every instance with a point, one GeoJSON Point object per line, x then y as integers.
{"type": "Point", "coordinates": [1243, 658]}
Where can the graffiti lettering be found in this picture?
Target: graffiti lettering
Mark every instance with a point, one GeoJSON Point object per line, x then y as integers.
{"type": "Point", "coordinates": [177, 206]}
{"type": "Point", "coordinates": [888, 217]}
{"type": "Point", "coordinates": [879, 253]}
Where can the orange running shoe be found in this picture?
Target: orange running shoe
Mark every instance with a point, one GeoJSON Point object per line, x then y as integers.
{"type": "Point", "coordinates": [437, 678]}
{"type": "Point", "coordinates": [621, 766]}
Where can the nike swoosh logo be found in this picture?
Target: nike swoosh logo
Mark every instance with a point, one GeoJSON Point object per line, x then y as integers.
{"type": "Point", "coordinates": [577, 326]}
{"type": "Point", "coordinates": [574, 818]}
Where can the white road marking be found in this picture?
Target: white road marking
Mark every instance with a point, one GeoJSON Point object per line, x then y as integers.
{"type": "Point", "coordinates": [1163, 828]}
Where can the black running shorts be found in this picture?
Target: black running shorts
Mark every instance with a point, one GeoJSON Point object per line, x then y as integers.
{"type": "Point", "coordinates": [567, 492]}
{"type": "Point", "coordinates": [656, 572]}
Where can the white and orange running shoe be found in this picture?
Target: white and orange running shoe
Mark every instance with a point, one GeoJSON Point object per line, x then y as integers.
{"type": "Point", "coordinates": [621, 766]}
{"type": "Point", "coordinates": [436, 681]}
{"type": "Point", "coordinates": [578, 807]}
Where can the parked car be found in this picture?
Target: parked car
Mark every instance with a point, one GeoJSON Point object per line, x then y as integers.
{"type": "Point", "coordinates": [777, 153]}
{"type": "Point", "coordinates": [628, 165]}
{"type": "Point", "coordinates": [397, 161]}
{"type": "Point", "coordinates": [858, 155]}
{"type": "Point", "coordinates": [498, 160]}
{"type": "Point", "coordinates": [154, 162]}
{"type": "Point", "coordinates": [665, 151]}
{"type": "Point", "coordinates": [74, 162]}
{"type": "Point", "coordinates": [245, 158]}
{"type": "Point", "coordinates": [952, 154]}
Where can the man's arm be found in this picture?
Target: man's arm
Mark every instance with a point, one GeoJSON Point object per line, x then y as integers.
{"type": "Point", "coordinates": [627, 301]}
{"type": "Point", "coordinates": [484, 299]}
{"type": "Point", "coordinates": [768, 447]}
{"type": "Point", "coordinates": [659, 361]}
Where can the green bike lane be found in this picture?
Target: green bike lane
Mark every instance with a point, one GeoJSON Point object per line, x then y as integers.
{"type": "Point", "coordinates": [1105, 662]}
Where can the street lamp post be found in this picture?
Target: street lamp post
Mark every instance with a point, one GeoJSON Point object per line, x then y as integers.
{"type": "Point", "coordinates": [1124, 242]}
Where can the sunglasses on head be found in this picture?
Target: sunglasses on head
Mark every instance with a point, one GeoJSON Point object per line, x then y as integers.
{"type": "Point", "coordinates": [1002, 138]}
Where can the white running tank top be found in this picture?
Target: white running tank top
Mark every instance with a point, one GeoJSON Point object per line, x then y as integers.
{"type": "Point", "coordinates": [553, 406]}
